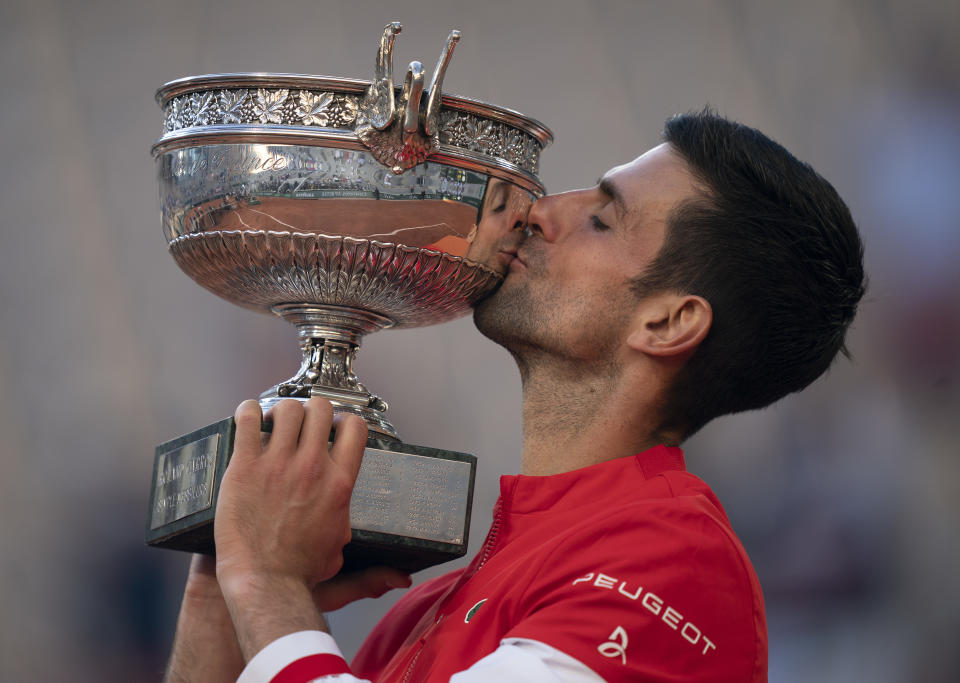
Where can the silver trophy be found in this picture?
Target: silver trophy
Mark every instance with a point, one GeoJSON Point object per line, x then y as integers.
{"type": "Point", "coordinates": [344, 207]}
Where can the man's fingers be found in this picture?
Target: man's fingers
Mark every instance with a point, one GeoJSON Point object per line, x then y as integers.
{"type": "Point", "coordinates": [368, 583]}
{"type": "Point", "coordinates": [248, 418]}
{"type": "Point", "coordinates": [315, 433]}
{"type": "Point", "coordinates": [350, 439]}
{"type": "Point", "coordinates": [287, 417]}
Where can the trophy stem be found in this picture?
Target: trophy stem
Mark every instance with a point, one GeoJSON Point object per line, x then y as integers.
{"type": "Point", "coordinates": [329, 338]}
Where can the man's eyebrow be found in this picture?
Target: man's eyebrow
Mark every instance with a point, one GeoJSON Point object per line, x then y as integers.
{"type": "Point", "coordinates": [607, 187]}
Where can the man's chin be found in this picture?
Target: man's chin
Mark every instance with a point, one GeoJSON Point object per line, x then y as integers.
{"type": "Point", "coordinates": [491, 298]}
{"type": "Point", "coordinates": [481, 309]}
{"type": "Point", "coordinates": [496, 315]}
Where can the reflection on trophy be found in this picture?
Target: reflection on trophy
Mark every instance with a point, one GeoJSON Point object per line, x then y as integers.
{"type": "Point", "coordinates": [344, 207]}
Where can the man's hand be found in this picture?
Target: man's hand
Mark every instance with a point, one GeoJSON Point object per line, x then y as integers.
{"type": "Point", "coordinates": [283, 516]}
{"type": "Point", "coordinates": [367, 583]}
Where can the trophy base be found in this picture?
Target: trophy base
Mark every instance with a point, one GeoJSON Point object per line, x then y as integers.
{"type": "Point", "coordinates": [410, 507]}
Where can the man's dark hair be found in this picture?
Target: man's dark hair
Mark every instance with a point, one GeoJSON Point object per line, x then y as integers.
{"type": "Point", "coordinates": [773, 249]}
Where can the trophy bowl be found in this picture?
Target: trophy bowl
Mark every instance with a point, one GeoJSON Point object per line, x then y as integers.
{"type": "Point", "coordinates": [345, 207]}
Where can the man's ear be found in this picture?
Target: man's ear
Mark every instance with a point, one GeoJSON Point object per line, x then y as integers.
{"type": "Point", "coordinates": [669, 324]}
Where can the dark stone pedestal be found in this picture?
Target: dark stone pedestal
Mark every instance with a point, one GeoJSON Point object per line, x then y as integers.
{"type": "Point", "coordinates": [410, 507]}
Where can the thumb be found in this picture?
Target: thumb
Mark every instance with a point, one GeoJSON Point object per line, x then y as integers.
{"type": "Point", "coordinates": [367, 583]}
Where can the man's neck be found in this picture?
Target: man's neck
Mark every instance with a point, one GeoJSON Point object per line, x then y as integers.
{"type": "Point", "coordinates": [574, 419]}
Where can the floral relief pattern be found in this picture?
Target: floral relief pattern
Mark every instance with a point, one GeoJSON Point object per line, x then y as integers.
{"type": "Point", "coordinates": [342, 111]}
{"type": "Point", "coordinates": [477, 134]}
{"type": "Point", "coordinates": [269, 105]}
{"type": "Point", "coordinates": [176, 112]}
{"type": "Point", "coordinates": [232, 103]}
{"type": "Point", "coordinates": [312, 109]}
{"type": "Point", "coordinates": [514, 147]}
{"type": "Point", "coordinates": [326, 109]}
{"type": "Point", "coordinates": [487, 139]}
{"type": "Point", "coordinates": [203, 106]}
{"type": "Point", "coordinates": [456, 129]}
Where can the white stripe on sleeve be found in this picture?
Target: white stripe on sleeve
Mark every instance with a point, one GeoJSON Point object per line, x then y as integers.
{"type": "Point", "coordinates": [519, 660]}
{"type": "Point", "coordinates": [522, 659]}
{"type": "Point", "coordinates": [282, 652]}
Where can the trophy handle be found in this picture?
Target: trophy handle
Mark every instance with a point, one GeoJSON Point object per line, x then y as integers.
{"type": "Point", "coordinates": [379, 104]}
{"type": "Point", "coordinates": [411, 95]}
{"type": "Point", "coordinates": [401, 140]}
{"type": "Point", "coordinates": [432, 114]}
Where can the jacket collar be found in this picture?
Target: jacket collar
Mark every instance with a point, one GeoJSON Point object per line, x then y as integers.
{"type": "Point", "coordinates": [521, 493]}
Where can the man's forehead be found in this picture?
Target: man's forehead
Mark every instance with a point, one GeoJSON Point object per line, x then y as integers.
{"type": "Point", "coordinates": [659, 158]}
{"type": "Point", "coordinates": [659, 173]}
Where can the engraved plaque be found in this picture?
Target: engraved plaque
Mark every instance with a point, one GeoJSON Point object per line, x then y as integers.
{"type": "Point", "coordinates": [183, 481]}
{"type": "Point", "coordinates": [410, 507]}
{"type": "Point", "coordinates": [414, 495]}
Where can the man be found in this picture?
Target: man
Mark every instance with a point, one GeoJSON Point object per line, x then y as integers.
{"type": "Point", "coordinates": [713, 274]}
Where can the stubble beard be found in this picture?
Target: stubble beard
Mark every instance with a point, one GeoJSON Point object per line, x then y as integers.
{"type": "Point", "coordinates": [525, 319]}
{"type": "Point", "coordinates": [508, 316]}
{"type": "Point", "coordinates": [540, 325]}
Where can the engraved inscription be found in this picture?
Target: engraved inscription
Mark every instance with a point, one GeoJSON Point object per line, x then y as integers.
{"type": "Point", "coordinates": [411, 495]}
{"type": "Point", "coordinates": [221, 162]}
{"type": "Point", "coordinates": [184, 480]}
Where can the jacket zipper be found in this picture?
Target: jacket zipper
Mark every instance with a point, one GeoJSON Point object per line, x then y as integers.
{"type": "Point", "coordinates": [416, 656]}
{"type": "Point", "coordinates": [489, 544]}
{"type": "Point", "coordinates": [406, 676]}
{"type": "Point", "coordinates": [492, 537]}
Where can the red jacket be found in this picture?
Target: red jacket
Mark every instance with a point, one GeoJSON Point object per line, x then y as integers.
{"type": "Point", "coordinates": [630, 566]}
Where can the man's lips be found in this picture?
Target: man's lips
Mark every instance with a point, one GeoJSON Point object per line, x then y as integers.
{"type": "Point", "coordinates": [510, 256]}
{"type": "Point", "coordinates": [509, 248]}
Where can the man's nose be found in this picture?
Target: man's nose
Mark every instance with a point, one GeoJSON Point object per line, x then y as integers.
{"type": "Point", "coordinates": [540, 219]}
{"type": "Point", "coordinates": [518, 217]}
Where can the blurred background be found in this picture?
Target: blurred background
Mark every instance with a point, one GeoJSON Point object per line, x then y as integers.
{"type": "Point", "coordinates": [847, 496]}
